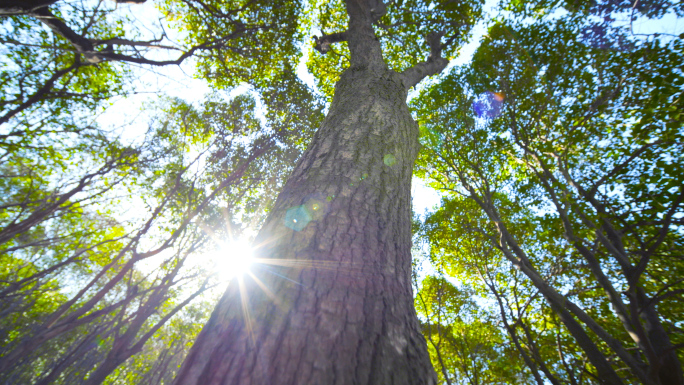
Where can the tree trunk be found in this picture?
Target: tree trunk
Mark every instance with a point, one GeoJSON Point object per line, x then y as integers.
{"type": "Point", "coordinates": [340, 308]}
{"type": "Point", "coordinates": [667, 369]}
{"type": "Point", "coordinates": [331, 302]}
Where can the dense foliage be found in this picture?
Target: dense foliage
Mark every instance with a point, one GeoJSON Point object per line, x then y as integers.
{"type": "Point", "coordinates": [560, 154]}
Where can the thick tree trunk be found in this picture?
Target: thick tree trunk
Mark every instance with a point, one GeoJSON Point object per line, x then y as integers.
{"type": "Point", "coordinates": [347, 315]}
{"type": "Point", "coordinates": [338, 308]}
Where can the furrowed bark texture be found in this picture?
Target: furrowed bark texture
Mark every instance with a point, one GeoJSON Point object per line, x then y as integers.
{"type": "Point", "coordinates": [339, 309]}
{"type": "Point", "coordinates": [345, 315]}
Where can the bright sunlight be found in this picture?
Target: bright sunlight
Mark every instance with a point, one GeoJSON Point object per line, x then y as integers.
{"type": "Point", "coordinates": [233, 258]}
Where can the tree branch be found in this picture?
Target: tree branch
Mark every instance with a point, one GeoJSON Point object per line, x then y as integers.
{"type": "Point", "coordinates": [133, 43]}
{"type": "Point", "coordinates": [323, 42]}
{"type": "Point", "coordinates": [59, 27]}
{"type": "Point", "coordinates": [14, 7]}
{"type": "Point", "coordinates": [432, 66]}
{"type": "Point", "coordinates": [40, 93]}
{"type": "Point", "coordinates": [87, 46]}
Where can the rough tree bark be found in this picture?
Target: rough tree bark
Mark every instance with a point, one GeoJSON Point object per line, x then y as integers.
{"type": "Point", "coordinates": [339, 309]}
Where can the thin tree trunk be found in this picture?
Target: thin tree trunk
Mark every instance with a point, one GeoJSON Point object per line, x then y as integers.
{"type": "Point", "coordinates": [511, 331]}
{"type": "Point", "coordinates": [563, 307]}
{"type": "Point", "coordinates": [667, 368]}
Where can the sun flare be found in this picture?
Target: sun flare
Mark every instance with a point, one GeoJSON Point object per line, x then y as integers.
{"type": "Point", "coordinates": [233, 258]}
